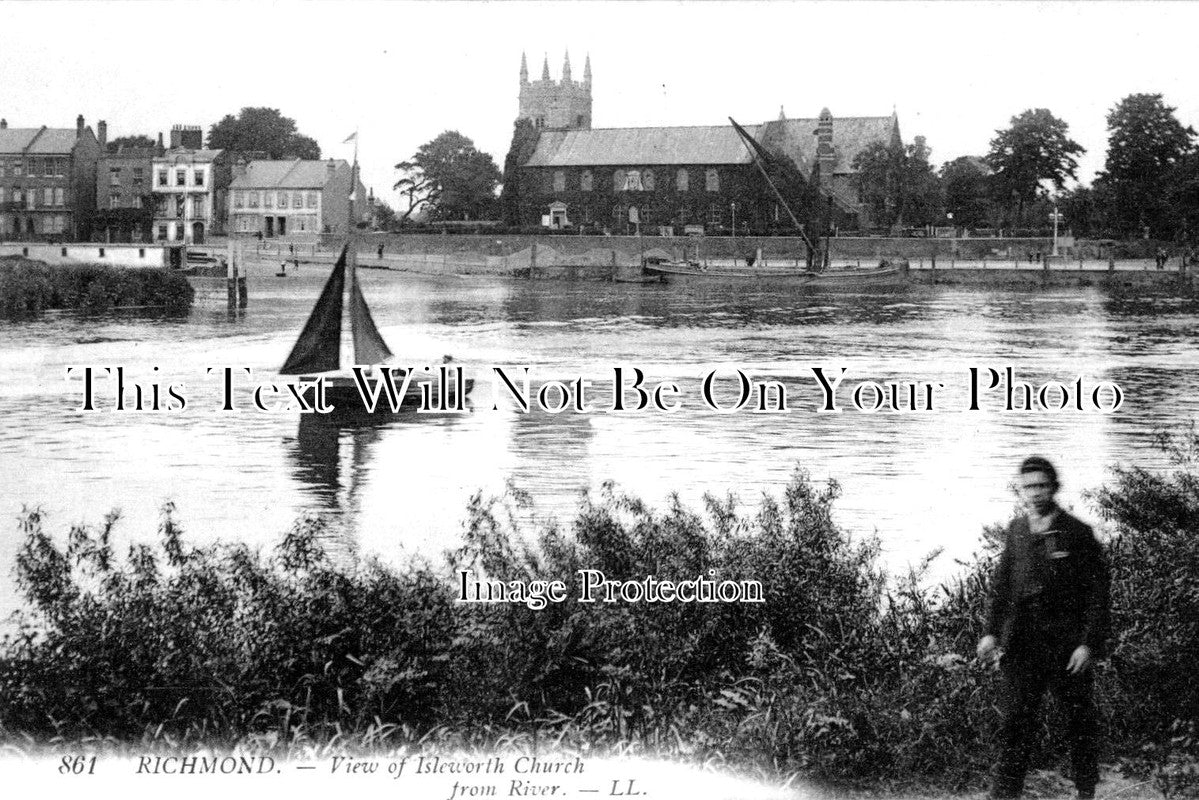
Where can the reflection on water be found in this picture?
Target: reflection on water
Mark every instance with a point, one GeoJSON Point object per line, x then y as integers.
{"type": "Point", "coordinates": [921, 480]}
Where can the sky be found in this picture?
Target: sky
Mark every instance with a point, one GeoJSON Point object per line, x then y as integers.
{"type": "Point", "coordinates": [401, 73]}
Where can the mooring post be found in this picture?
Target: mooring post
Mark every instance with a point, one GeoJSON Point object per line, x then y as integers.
{"type": "Point", "coordinates": [243, 294]}
{"type": "Point", "coordinates": [230, 275]}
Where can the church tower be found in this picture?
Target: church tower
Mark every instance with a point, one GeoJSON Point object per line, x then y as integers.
{"type": "Point", "coordinates": [560, 105]}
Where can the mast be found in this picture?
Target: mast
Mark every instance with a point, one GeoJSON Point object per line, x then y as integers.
{"type": "Point", "coordinates": [756, 153]}
{"type": "Point", "coordinates": [367, 345]}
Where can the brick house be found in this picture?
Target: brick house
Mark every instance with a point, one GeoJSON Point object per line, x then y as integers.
{"type": "Point", "coordinates": [296, 199]}
{"type": "Point", "coordinates": [47, 182]}
{"type": "Point", "coordinates": [124, 195]}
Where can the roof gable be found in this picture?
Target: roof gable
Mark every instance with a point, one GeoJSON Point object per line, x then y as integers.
{"type": "Point", "coordinates": [851, 135]}
{"type": "Point", "coordinates": [294, 174]}
{"type": "Point", "coordinates": [38, 141]}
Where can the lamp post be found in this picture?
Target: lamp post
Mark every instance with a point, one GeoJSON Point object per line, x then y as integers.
{"type": "Point", "coordinates": [1056, 217]}
{"type": "Point", "coordinates": [733, 206]}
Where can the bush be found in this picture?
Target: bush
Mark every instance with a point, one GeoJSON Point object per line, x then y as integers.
{"type": "Point", "coordinates": [29, 287]}
{"type": "Point", "coordinates": [841, 673]}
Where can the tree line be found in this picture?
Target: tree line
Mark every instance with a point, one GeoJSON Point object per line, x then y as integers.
{"type": "Point", "coordinates": [1149, 186]}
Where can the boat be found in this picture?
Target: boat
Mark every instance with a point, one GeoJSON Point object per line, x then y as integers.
{"type": "Point", "coordinates": [354, 376]}
{"type": "Point", "coordinates": [844, 279]}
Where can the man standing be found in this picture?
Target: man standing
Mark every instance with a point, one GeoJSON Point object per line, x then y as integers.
{"type": "Point", "coordinates": [1049, 618]}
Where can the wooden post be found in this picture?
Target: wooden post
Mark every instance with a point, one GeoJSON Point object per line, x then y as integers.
{"type": "Point", "coordinates": [532, 259]}
{"type": "Point", "coordinates": [243, 294]}
{"type": "Point", "coordinates": [230, 276]}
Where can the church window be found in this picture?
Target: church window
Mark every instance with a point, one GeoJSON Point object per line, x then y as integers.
{"type": "Point", "coordinates": [682, 180]}
{"type": "Point", "coordinates": [539, 122]}
{"type": "Point", "coordinates": [559, 180]}
{"type": "Point", "coordinates": [712, 180]}
{"type": "Point", "coordinates": [585, 183]}
{"type": "Point", "coordinates": [618, 180]}
{"type": "Point", "coordinates": [714, 214]}
{"type": "Point", "coordinates": [632, 181]}
{"type": "Point", "coordinates": [647, 180]}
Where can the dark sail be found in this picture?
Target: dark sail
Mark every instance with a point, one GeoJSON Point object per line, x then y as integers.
{"type": "Point", "coordinates": [369, 347]}
{"type": "Point", "coordinates": [319, 347]}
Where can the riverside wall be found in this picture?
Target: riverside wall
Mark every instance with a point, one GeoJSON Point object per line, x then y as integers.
{"type": "Point", "coordinates": [981, 261]}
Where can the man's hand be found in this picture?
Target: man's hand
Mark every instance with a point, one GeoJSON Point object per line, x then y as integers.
{"type": "Point", "coordinates": [1080, 659]}
{"type": "Point", "coordinates": [987, 648]}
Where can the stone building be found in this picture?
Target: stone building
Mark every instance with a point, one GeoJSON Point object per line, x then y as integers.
{"type": "Point", "coordinates": [190, 188]}
{"type": "Point", "coordinates": [296, 199]}
{"type": "Point", "coordinates": [678, 178]}
{"type": "Point", "coordinates": [48, 181]}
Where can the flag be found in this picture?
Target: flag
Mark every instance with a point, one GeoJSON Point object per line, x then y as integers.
{"type": "Point", "coordinates": [351, 137]}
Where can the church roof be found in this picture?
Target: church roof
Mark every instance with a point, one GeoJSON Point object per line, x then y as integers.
{"type": "Point", "coordinates": [50, 141]}
{"type": "Point", "coordinates": [851, 135]}
{"type": "Point", "coordinates": [703, 144]}
{"type": "Point", "coordinates": [710, 144]}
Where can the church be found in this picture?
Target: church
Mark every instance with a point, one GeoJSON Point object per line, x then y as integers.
{"type": "Point", "coordinates": [678, 179]}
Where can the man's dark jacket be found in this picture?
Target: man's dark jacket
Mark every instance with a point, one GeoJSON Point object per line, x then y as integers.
{"type": "Point", "coordinates": [1050, 590]}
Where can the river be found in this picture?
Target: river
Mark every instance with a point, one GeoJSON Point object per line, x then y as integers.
{"type": "Point", "coordinates": [923, 480]}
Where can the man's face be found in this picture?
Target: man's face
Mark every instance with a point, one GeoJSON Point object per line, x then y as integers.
{"type": "Point", "coordinates": [1036, 491]}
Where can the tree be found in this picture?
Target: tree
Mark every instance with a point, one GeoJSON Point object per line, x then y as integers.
{"type": "Point", "coordinates": [450, 178]}
{"type": "Point", "coordinates": [263, 130]}
{"type": "Point", "coordinates": [524, 142]}
{"type": "Point", "coordinates": [897, 185]}
{"type": "Point", "coordinates": [140, 140]}
{"type": "Point", "coordinates": [1035, 149]}
{"type": "Point", "coordinates": [1146, 145]}
{"type": "Point", "coordinates": [967, 186]}
{"type": "Point", "coordinates": [1081, 210]}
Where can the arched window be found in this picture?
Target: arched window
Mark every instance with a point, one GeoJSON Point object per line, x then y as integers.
{"type": "Point", "coordinates": [647, 180]}
{"type": "Point", "coordinates": [632, 181]}
{"type": "Point", "coordinates": [682, 180]}
{"type": "Point", "coordinates": [618, 180]}
{"type": "Point", "coordinates": [585, 183]}
{"type": "Point", "coordinates": [712, 179]}
{"type": "Point", "coordinates": [559, 180]}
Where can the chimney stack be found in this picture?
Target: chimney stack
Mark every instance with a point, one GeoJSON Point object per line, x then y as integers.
{"type": "Point", "coordinates": [102, 133]}
{"type": "Point", "coordinates": [79, 125]}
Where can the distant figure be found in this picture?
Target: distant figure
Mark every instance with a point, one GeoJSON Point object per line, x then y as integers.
{"type": "Point", "coordinates": [380, 252]}
{"type": "Point", "coordinates": [282, 273]}
{"type": "Point", "coordinates": [291, 249]}
{"type": "Point", "coordinates": [258, 235]}
{"type": "Point", "coordinates": [1161, 258]}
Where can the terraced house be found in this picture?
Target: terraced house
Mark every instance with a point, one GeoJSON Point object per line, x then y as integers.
{"type": "Point", "coordinates": [294, 199]}
{"type": "Point", "coordinates": [47, 182]}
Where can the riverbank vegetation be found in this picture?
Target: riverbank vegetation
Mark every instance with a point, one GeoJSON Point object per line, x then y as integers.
{"type": "Point", "coordinates": [843, 674]}
{"type": "Point", "coordinates": [29, 287]}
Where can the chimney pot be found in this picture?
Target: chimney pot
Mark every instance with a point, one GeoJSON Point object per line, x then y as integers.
{"type": "Point", "coordinates": [79, 125]}
{"type": "Point", "coordinates": [102, 133]}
